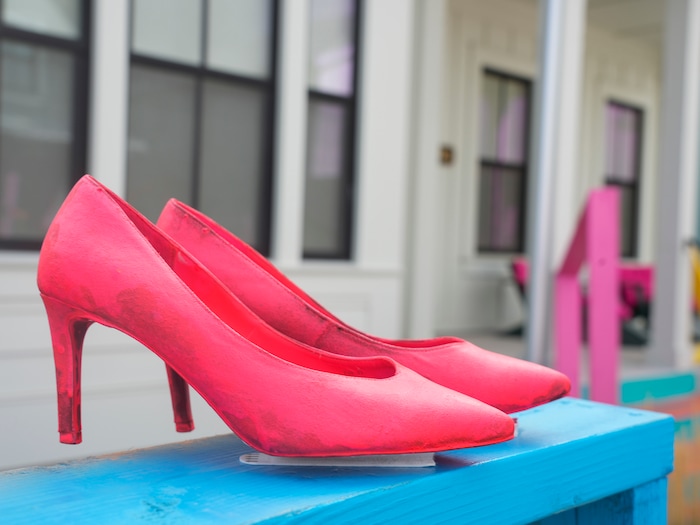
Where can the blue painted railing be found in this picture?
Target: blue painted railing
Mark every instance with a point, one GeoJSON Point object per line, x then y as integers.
{"type": "Point", "coordinates": [573, 462]}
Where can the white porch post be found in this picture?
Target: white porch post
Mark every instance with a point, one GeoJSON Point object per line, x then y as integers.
{"type": "Point", "coordinates": [109, 84]}
{"type": "Point", "coordinates": [678, 170]}
{"type": "Point", "coordinates": [290, 161]}
{"type": "Point", "coordinates": [430, 51]}
{"type": "Point", "coordinates": [551, 204]}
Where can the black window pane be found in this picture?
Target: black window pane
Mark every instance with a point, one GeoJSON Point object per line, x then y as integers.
{"type": "Point", "coordinates": [611, 112]}
{"type": "Point", "coordinates": [623, 125]}
{"type": "Point", "coordinates": [512, 125]}
{"type": "Point", "coordinates": [59, 18]}
{"type": "Point", "coordinates": [231, 169]}
{"type": "Point", "coordinates": [485, 207]}
{"type": "Point", "coordinates": [623, 133]}
{"type": "Point", "coordinates": [500, 209]}
{"type": "Point", "coordinates": [168, 29]}
{"type": "Point", "coordinates": [332, 46]}
{"type": "Point", "coordinates": [36, 141]}
{"type": "Point", "coordinates": [627, 220]}
{"type": "Point", "coordinates": [490, 114]}
{"type": "Point", "coordinates": [326, 204]}
{"type": "Point", "coordinates": [240, 36]}
{"type": "Point", "coordinates": [201, 109]}
{"type": "Point", "coordinates": [161, 138]}
{"type": "Point", "coordinates": [504, 114]}
{"type": "Point", "coordinates": [504, 123]}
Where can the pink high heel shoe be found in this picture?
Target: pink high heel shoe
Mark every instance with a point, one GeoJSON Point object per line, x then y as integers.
{"type": "Point", "coordinates": [503, 382]}
{"type": "Point", "coordinates": [103, 262]}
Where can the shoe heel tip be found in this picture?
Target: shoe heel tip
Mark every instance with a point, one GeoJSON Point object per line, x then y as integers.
{"type": "Point", "coordinates": [71, 438]}
{"type": "Point", "coordinates": [184, 427]}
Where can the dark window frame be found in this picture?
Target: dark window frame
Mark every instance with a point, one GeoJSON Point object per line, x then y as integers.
{"type": "Point", "coordinates": [632, 186]}
{"type": "Point", "coordinates": [524, 168]}
{"type": "Point", "coordinates": [349, 104]}
{"type": "Point", "coordinates": [80, 50]}
{"type": "Point", "coordinates": [201, 73]}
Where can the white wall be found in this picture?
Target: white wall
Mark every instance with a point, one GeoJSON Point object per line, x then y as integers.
{"type": "Point", "coordinates": [384, 125]}
{"type": "Point", "coordinates": [474, 291]}
{"type": "Point", "coordinates": [366, 291]}
{"type": "Point", "coordinates": [125, 397]}
{"type": "Point", "coordinates": [628, 72]}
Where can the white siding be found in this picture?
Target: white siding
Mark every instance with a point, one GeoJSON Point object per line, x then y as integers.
{"type": "Point", "coordinates": [474, 291]}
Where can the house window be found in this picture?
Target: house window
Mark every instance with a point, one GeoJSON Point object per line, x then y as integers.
{"type": "Point", "coordinates": [623, 132]}
{"type": "Point", "coordinates": [43, 110]}
{"type": "Point", "coordinates": [332, 77]}
{"type": "Point", "coordinates": [505, 115]}
{"type": "Point", "coordinates": [201, 116]}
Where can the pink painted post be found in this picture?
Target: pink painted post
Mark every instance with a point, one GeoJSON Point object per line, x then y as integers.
{"type": "Point", "coordinates": [602, 245]}
{"type": "Point", "coordinates": [567, 311]}
{"type": "Point", "coordinates": [568, 329]}
{"type": "Point", "coordinates": [596, 241]}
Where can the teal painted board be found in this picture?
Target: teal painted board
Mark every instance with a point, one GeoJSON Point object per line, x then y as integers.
{"type": "Point", "coordinates": [613, 510]}
{"type": "Point", "coordinates": [567, 454]}
{"type": "Point", "coordinates": [637, 391]}
{"type": "Point", "coordinates": [650, 505]}
{"type": "Point", "coordinates": [546, 470]}
{"type": "Point", "coordinates": [643, 505]}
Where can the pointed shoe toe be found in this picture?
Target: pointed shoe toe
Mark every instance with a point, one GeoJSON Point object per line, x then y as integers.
{"type": "Point", "coordinates": [504, 382]}
{"type": "Point", "coordinates": [103, 262]}
{"type": "Point", "coordinates": [521, 384]}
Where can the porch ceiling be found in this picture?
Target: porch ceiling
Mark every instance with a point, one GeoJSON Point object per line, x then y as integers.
{"type": "Point", "coordinates": [638, 19]}
{"type": "Point", "coordinates": [635, 19]}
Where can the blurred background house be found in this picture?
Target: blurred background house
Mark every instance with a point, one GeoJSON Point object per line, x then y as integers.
{"type": "Point", "coordinates": [382, 153]}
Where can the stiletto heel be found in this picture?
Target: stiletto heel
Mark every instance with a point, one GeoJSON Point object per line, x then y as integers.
{"type": "Point", "coordinates": [68, 329]}
{"type": "Point", "coordinates": [102, 261]}
{"type": "Point", "coordinates": [180, 396]}
{"type": "Point", "coordinates": [501, 381]}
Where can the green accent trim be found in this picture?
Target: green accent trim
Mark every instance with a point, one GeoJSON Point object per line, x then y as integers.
{"type": "Point", "coordinates": [640, 390]}
{"type": "Point", "coordinates": [637, 391]}
{"type": "Point", "coordinates": [685, 429]}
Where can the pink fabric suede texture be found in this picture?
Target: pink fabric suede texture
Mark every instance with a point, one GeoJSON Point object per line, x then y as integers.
{"type": "Point", "coordinates": [503, 382]}
{"type": "Point", "coordinates": [103, 262]}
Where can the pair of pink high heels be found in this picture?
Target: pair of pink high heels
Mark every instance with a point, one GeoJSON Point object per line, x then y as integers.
{"type": "Point", "coordinates": [283, 373]}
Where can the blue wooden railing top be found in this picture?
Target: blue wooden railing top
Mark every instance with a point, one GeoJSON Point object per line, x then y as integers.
{"type": "Point", "coordinates": [568, 453]}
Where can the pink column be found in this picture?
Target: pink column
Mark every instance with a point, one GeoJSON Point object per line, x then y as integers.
{"type": "Point", "coordinates": [596, 241]}
{"type": "Point", "coordinates": [568, 311]}
{"type": "Point", "coordinates": [602, 245]}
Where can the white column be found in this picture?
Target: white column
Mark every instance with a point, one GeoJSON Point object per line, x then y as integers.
{"type": "Point", "coordinates": [383, 133]}
{"type": "Point", "coordinates": [551, 213]}
{"type": "Point", "coordinates": [678, 170]}
{"type": "Point", "coordinates": [109, 91]}
{"type": "Point", "coordinates": [290, 163]}
{"type": "Point", "coordinates": [431, 27]}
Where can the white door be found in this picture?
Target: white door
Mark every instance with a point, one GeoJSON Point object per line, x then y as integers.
{"type": "Point", "coordinates": [487, 117]}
